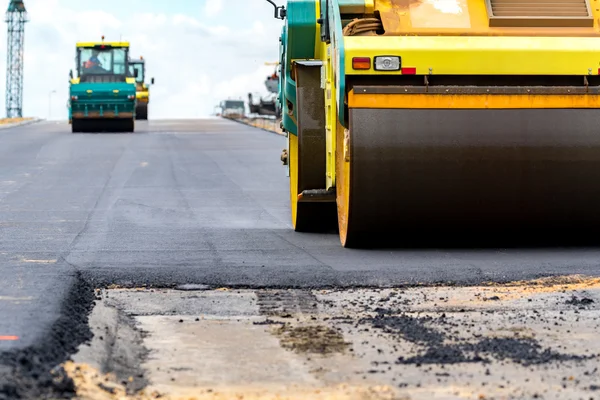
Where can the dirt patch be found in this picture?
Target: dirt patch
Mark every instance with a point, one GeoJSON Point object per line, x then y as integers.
{"type": "Point", "coordinates": [117, 346]}
{"type": "Point", "coordinates": [523, 289]}
{"type": "Point", "coordinates": [93, 385]}
{"type": "Point", "coordinates": [6, 121]}
{"type": "Point", "coordinates": [440, 346]}
{"type": "Point", "coordinates": [553, 283]}
{"type": "Point", "coordinates": [315, 339]}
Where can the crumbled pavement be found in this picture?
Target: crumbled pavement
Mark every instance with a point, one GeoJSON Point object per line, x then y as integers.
{"type": "Point", "coordinates": [405, 343]}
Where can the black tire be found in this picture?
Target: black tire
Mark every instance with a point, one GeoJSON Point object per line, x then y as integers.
{"type": "Point", "coordinates": [129, 125]}
{"type": "Point", "coordinates": [77, 126]}
{"type": "Point", "coordinates": [141, 112]}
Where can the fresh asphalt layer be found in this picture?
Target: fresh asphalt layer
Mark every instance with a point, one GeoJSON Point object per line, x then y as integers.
{"type": "Point", "coordinates": [184, 201]}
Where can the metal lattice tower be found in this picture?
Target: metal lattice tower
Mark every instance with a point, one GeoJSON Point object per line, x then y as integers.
{"type": "Point", "coordinates": [16, 17]}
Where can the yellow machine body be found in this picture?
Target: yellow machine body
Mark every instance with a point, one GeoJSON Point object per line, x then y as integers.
{"type": "Point", "coordinates": [142, 92]}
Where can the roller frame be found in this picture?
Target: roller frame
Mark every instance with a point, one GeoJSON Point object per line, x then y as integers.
{"type": "Point", "coordinates": [314, 204]}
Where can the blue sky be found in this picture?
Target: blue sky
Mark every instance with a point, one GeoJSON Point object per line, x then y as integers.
{"type": "Point", "coordinates": [199, 52]}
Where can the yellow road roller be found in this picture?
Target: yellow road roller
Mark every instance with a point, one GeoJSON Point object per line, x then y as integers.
{"type": "Point", "coordinates": [409, 117]}
{"type": "Point", "coordinates": [137, 69]}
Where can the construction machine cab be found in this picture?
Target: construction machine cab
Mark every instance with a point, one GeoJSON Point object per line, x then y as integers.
{"type": "Point", "coordinates": [98, 61]}
{"type": "Point", "coordinates": [137, 69]}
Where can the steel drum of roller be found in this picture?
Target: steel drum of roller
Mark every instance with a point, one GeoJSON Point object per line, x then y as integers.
{"type": "Point", "coordinates": [467, 171]}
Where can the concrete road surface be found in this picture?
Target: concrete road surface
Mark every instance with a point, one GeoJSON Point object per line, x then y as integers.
{"type": "Point", "coordinates": [187, 202]}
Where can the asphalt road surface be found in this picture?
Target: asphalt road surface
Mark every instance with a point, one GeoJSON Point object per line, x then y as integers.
{"type": "Point", "coordinates": [180, 202]}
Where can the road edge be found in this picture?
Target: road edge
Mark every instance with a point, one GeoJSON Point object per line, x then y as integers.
{"type": "Point", "coordinates": [22, 123]}
{"type": "Point", "coordinates": [243, 122]}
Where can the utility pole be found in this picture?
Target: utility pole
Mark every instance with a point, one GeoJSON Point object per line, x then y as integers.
{"type": "Point", "coordinates": [16, 17]}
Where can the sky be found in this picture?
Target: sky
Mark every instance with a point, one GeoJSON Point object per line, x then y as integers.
{"type": "Point", "coordinates": [199, 51]}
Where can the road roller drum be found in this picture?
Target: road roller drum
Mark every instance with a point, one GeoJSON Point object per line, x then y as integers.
{"type": "Point", "coordinates": [457, 170]}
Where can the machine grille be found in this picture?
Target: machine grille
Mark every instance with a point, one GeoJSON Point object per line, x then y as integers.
{"type": "Point", "coordinates": [102, 78]}
{"type": "Point", "coordinates": [540, 13]}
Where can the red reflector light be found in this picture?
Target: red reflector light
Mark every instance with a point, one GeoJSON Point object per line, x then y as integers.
{"type": "Point", "coordinates": [102, 46]}
{"type": "Point", "coordinates": [361, 63]}
{"type": "Point", "coordinates": [409, 71]}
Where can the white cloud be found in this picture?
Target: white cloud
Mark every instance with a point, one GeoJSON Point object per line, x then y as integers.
{"type": "Point", "coordinates": [213, 7]}
{"type": "Point", "coordinates": [197, 62]}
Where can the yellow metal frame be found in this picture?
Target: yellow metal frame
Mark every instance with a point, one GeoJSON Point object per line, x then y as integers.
{"type": "Point", "coordinates": [93, 44]}
{"type": "Point", "coordinates": [367, 7]}
{"type": "Point", "coordinates": [471, 101]}
{"type": "Point", "coordinates": [323, 52]}
{"type": "Point", "coordinates": [465, 17]}
{"type": "Point", "coordinates": [489, 55]}
{"type": "Point", "coordinates": [293, 165]}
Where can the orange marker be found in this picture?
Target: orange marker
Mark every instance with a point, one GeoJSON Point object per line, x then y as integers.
{"type": "Point", "coordinates": [9, 338]}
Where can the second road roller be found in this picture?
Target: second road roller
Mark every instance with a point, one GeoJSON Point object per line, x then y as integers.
{"type": "Point", "coordinates": [428, 116]}
{"type": "Point", "coordinates": [137, 69]}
